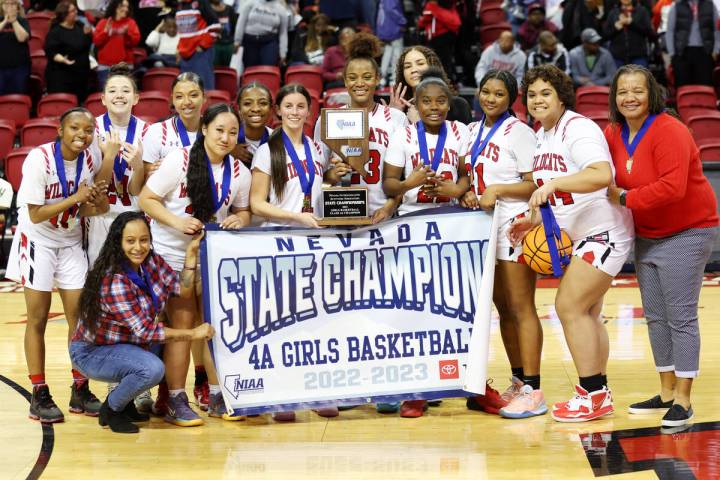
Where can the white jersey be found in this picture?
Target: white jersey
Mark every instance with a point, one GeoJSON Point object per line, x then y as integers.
{"type": "Point", "coordinates": [293, 196]}
{"type": "Point", "coordinates": [170, 183]}
{"type": "Point", "coordinates": [41, 186]}
{"type": "Point", "coordinates": [384, 123]}
{"type": "Point", "coordinates": [162, 138]}
{"type": "Point", "coordinates": [404, 152]}
{"type": "Point", "coordinates": [506, 156]}
{"type": "Point", "coordinates": [571, 146]}
{"type": "Point", "coordinates": [253, 145]}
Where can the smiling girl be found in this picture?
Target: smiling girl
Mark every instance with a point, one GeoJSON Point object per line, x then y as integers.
{"type": "Point", "coordinates": [255, 107]}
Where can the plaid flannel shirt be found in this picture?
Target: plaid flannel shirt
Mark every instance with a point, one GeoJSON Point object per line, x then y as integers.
{"type": "Point", "coordinates": [128, 314]}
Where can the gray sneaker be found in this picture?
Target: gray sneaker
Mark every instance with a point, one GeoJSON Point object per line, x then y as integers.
{"type": "Point", "coordinates": [217, 408]}
{"type": "Point", "coordinates": [43, 408]}
{"type": "Point", "coordinates": [144, 402]}
{"type": "Point", "coordinates": [179, 412]}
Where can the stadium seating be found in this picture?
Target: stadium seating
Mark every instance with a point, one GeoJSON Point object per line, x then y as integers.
{"type": "Point", "coordinates": [7, 137]}
{"type": "Point", "coordinates": [40, 23]}
{"type": "Point", "coordinates": [160, 79]}
{"type": "Point", "coordinates": [94, 104]}
{"type": "Point", "coordinates": [310, 76]}
{"type": "Point", "coordinates": [15, 107]}
{"type": "Point", "coordinates": [13, 166]}
{"type": "Point", "coordinates": [36, 42]}
{"type": "Point", "coordinates": [598, 116]}
{"type": "Point", "coordinates": [55, 104]}
{"type": "Point", "coordinates": [592, 95]}
{"type": "Point", "coordinates": [39, 61]}
{"type": "Point", "coordinates": [153, 105]}
{"type": "Point", "coordinates": [492, 16]}
{"type": "Point", "coordinates": [38, 131]}
{"type": "Point", "coordinates": [139, 54]}
{"type": "Point", "coordinates": [705, 128]}
{"type": "Point", "coordinates": [696, 96]}
{"type": "Point", "coordinates": [265, 74]}
{"type": "Point", "coordinates": [226, 78]}
{"type": "Point", "coordinates": [710, 152]}
{"type": "Point", "coordinates": [490, 33]}
{"type": "Point", "coordinates": [217, 96]}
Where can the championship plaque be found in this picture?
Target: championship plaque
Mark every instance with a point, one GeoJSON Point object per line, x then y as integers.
{"type": "Point", "coordinates": [345, 132]}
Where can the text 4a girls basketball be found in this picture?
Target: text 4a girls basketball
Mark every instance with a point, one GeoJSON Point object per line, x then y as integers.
{"type": "Point", "coordinates": [536, 252]}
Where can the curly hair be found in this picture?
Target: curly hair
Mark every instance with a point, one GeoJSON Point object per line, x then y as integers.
{"type": "Point", "coordinates": [111, 260]}
{"type": "Point", "coordinates": [112, 7]}
{"type": "Point", "coordinates": [198, 177]}
{"type": "Point", "coordinates": [656, 93]}
{"type": "Point", "coordinates": [364, 46]}
{"type": "Point", "coordinates": [560, 81]}
{"type": "Point", "coordinates": [508, 79]}
{"type": "Point", "coordinates": [122, 69]}
{"type": "Point", "coordinates": [432, 60]}
{"type": "Point", "coordinates": [278, 163]}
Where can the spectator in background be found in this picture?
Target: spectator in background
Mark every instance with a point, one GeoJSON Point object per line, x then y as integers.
{"type": "Point", "coordinates": [660, 12]}
{"type": "Point", "coordinates": [441, 23]}
{"type": "Point", "coordinates": [580, 15]}
{"type": "Point", "coordinates": [549, 51]}
{"type": "Point", "coordinates": [198, 27]}
{"type": "Point", "coordinates": [67, 46]}
{"type": "Point", "coordinates": [628, 29]}
{"type": "Point", "coordinates": [335, 58]}
{"type": "Point", "coordinates": [529, 31]}
{"type": "Point", "coordinates": [345, 13]}
{"type": "Point", "coordinates": [310, 44]}
{"type": "Point", "coordinates": [224, 46]}
{"type": "Point", "coordinates": [693, 41]}
{"type": "Point", "coordinates": [591, 64]}
{"type": "Point", "coordinates": [115, 37]}
{"type": "Point", "coordinates": [390, 26]}
{"type": "Point", "coordinates": [503, 54]}
{"type": "Point", "coordinates": [14, 36]}
{"type": "Point", "coordinates": [262, 30]}
{"type": "Point", "coordinates": [164, 43]}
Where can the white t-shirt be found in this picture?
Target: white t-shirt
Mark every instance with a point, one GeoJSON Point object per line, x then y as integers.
{"type": "Point", "coordinates": [404, 151]}
{"type": "Point", "coordinates": [572, 145]}
{"type": "Point", "coordinates": [253, 145]}
{"type": "Point", "coordinates": [170, 183]}
{"type": "Point", "coordinates": [292, 198]}
{"type": "Point", "coordinates": [507, 155]}
{"type": "Point", "coordinates": [384, 122]}
{"type": "Point", "coordinates": [41, 186]}
{"type": "Point", "coordinates": [162, 138]}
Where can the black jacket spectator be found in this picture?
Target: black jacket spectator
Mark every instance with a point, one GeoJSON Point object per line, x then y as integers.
{"type": "Point", "coordinates": [628, 41]}
{"type": "Point", "coordinates": [692, 41]}
{"type": "Point", "coordinates": [15, 58]}
{"type": "Point", "coordinates": [579, 15]}
{"type": "Point", "coordinates": [68, 50]}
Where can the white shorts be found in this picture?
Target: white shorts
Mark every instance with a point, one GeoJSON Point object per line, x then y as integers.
{"type": "Point", "coordinates": [505, 249]}
{"type": "Point", "coordinates": [176, 262]}
{"type": "Point", "coordinates": [98, 229]}
{"type": "Point", "coordinates": [41, 268]}
{"type": "Point", "coordinates": [606, 251]}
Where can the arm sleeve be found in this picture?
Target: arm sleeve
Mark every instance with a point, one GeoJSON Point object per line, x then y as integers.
{"type": "Point", "coordinates": [168, 176]}
{"type": "Point", "coordinates": [610, 31]}
{"type": "Point", "coordinates": [672, 155]}
{"type": "Point", "coordinates": [641, 21]}
{"type": "Point", "coordinates": [283, 36]}
{"type": "Point", "coordinates": [53, 44]}
{"type": "Point", "coordinates": [395, 154]}
{"type": "Point", "coordinates": [100, 35]}
{"type": "Point", "coordinates": [670, 32]}
{"type": "Point", "coordinates": [242, 198]}
{"type": "Point", "coordinates": [125, 304]}
{"type": "Point", "coordinates": [586, 143]}
{"type": "Point", "coordinates": [261, 159]}
{"type": "Point", "coordinates": [242, 19]}
{"type": "Point", "coordinates": [153, 40]}
{"type": "Point", "coordinates": [34, 180]}
{"type": "Point", "coordinates": [133, 34]}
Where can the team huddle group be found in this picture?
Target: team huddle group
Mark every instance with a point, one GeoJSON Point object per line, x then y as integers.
{"type": "Point", "coordinates": [112, 214]}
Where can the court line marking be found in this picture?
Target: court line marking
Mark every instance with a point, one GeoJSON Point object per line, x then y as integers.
{"type": "Point", "coordinates": [48, 440]}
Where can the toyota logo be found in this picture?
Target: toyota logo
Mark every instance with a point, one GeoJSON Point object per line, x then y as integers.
{"type": "Point", "coordinates": [448, 369]}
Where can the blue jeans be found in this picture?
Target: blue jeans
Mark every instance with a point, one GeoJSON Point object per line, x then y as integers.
{"type": "Point", "coordinates": [202, 64]}
{"type": "Point", "coordinates": [260, 50]}
{"type": "Point", "coordinates": [135, 369]}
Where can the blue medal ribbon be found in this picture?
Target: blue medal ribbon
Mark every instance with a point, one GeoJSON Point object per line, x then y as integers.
{"type": "Point", "coordinates": [120, 165]}
{"type": "Point", "coordinates": [553, 237]}
{"type": "Point", "coordinates": [306, 180]}
{"type": "Point", "coordinates": [225, 191]}
{"type": "Point", "coordinates": [60, 168]}
{"type": "Point", "coordinates": [241, 135]}
{"type": "Point", "coordinates": [144, 283]}
{"type": "Point", "coordinates": [182, 132]}
{"type": "Point", "coordinates": [478, 147]}
{"type": "Point", "coordinates": [625, 134]}
{"type": "Point", "coordinates": [439, 147]}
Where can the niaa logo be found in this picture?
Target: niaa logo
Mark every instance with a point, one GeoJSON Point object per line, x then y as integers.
{"type": "Point", "coordinates": [237, 385]}
{"type": "Point", "coordinates": [344, 123]}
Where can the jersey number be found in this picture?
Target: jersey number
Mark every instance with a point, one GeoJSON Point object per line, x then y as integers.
{"type": "Point", "coordinates": [424, 198]}
{"type": "Point", "coordinates": [113, 195]}
{"type": "Point", "coordinates": [373, 169]}
{"type": "Point", "coordinates": [479, 176]}
{"type": "Point", "coordinates": [567, 198]}
{"type": "Point", "coordinates": [61, 220]}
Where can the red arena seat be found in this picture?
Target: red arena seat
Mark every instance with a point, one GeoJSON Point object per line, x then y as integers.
{"type": "Point", "coordinates": [38, 131]}
{"type": "Point", "coordinates": [55, 104]}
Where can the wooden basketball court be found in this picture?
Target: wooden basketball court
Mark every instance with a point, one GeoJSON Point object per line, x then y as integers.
{"type": "Point", "coordinates": [449, 442]}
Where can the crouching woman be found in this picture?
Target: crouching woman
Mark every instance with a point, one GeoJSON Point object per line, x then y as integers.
{"type": "Point", "coordinates": [125, 291]}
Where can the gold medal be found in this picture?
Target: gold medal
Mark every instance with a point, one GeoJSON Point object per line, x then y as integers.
{"type": "Point", "coordinates": [629, 164]}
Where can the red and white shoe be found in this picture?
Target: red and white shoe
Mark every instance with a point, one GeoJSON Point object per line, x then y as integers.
{"type": "Point", "coordinates": [561, 405]}
{"type": "Point", "coordinates": [202, 395]}
{"type": "Point", "coordinates": [585, 406]}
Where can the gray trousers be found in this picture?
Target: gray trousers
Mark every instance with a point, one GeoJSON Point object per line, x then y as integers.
{"type": "Point", "coordinates": [670, 272]}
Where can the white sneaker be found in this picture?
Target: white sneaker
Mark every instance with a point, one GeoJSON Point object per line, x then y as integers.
{"type": "Point", "coordinates": [585, 406]}
{"type": "Point", "coordinates": [513, 390]}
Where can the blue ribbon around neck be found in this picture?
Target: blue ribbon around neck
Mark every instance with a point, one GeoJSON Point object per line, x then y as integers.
{"type": "Point", "coordinates": [625, 134]}
{"type": "Point", "coordinates": [143, 282]}
{"type": "Point", "coordinates": [306, 180]}
{"type": "Point", "coordinates": [478, 147]}
{"type": "Point", "coordinates": [120, 165]}
{"type": "Point", "coordinates": [217, 202]}
{"type": "Point", "coordinates": [60, 168]}
{"type": "Point", "coordinates": [439, 147]}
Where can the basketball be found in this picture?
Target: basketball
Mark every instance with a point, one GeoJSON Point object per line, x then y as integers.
{"type": "Point", "coordinates": [536, 253]}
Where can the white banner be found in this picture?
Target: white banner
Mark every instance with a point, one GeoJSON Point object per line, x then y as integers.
{"type": "Point", "coordinates": [306, 318]}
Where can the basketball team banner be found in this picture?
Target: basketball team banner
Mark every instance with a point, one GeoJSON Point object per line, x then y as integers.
{"type": "Point", "coordinates": [306, 318]}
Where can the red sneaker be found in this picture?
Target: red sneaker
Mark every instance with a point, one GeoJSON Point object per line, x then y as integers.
{"type": "Point", "coordinates": [585, 406]}
{"type": "Point", "coordinates": [202, 395]}
{"type": "Point", "coordinates": [413, 408]}
{"type": "Point", "coordinates": [491, 402]}
{"type": "Point", "coordinates": [160, 407]}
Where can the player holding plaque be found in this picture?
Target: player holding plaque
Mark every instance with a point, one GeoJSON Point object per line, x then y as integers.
{"type": "Point", "coordinates": [362, 77]}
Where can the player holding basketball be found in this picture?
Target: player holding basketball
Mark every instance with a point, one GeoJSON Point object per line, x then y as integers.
{"type": "Point", "coordinates": [572, 168]}
{"type": "Point", "coordinates": [194, 186]}
{"type": "Point", "coordinates": [56, 190]}
{"type": "Point", "coordinates": [429, 158]}
{"type": "Point", "coordinates": [499, 161]}
{"type": "Point", "coordinates": [255, 107]}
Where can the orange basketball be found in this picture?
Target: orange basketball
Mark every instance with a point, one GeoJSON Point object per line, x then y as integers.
{"type": "Point", "coordinates": [536, 253]}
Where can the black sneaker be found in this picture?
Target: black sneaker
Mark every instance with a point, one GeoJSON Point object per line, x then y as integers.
{"type": "Point", "coordinates": [117, 421]}
{"type": "Point", "coordinates": [82, 400]}
{"type": "Point", "coordinates": [677, 416]}
{"type": "Point", "coordinates": [43, 408]}
{"type": "Point", "coordinates": [654, 405]}
{"type": "Point", "coordinates": [133, 415]}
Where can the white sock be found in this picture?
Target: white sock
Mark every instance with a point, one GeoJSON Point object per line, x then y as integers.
{"type": "Point", "coordinates": [214, 389]}
{"type": "Point", "coordinates": [175, 393]}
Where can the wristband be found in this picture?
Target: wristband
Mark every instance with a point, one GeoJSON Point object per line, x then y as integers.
{"type": "Point", "coordinates": [623, 199]}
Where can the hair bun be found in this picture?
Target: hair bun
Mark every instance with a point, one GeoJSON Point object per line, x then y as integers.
{"type": "Point", "coordinates": [121, 68]}
{"type": "Point", "coordinates": [364, 45]}
{"type": "Point", "coordinates": [433, 72]}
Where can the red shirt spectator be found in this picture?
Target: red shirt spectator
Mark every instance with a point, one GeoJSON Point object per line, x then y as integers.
{"type": "Point", "coordinates": [117, 34]}
{"type": "Point", "coordinates": [437, 19]}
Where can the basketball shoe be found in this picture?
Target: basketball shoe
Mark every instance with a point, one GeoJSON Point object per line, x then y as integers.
{"type": "Point", "coordinates": [82, 400]}
{"type": "Point", "coordinates": [585, 406]}
{"type": "Point", "coordinates": [160, 406]}
{"type": "Point", "coordinates": [413, 408]}
{"type": "Point", "coordinates": [527, 403]}
{"type": "Point", "coordinates": [561, 405]}
{"type": "Point", "coordinates": [179, 412]}
{"type": "Point", "coordinates": [492, 401]}
{"type": "Point", "coordinates": [202, 395]}
{"type": "Point", "coordinates": [43, 407]}
{"type": "Point", "coordinates": [217, 408]}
